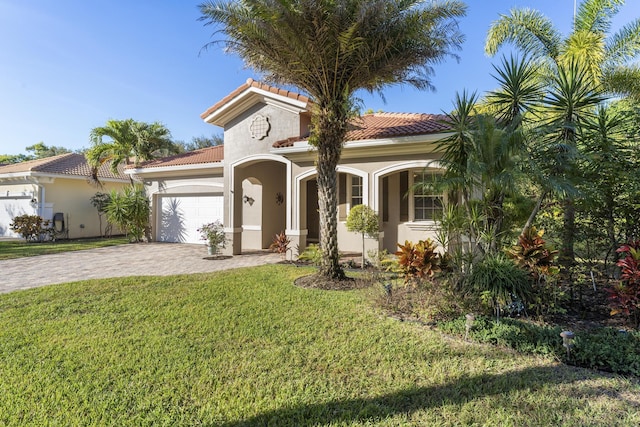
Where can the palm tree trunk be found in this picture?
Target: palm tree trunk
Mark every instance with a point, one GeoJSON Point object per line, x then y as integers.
{"type": "Point", "coordinates": [534, 213]}
{"type": "Point", "coordinates": [330, 129]}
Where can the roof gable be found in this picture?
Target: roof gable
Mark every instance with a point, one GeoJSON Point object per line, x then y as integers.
{"type": "Point", "coordinates": [249, 94]}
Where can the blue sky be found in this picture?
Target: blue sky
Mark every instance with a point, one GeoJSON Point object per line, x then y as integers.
{"type": "Point", "coordinates": [68, 66]}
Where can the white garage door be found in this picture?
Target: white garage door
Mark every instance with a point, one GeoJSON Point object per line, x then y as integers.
{"type": "Point", "coordinates": [10, 208]}
{"type": "Point", "coordinates": [181, 216]}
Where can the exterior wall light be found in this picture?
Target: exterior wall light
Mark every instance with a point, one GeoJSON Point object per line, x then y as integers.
{"type": "Point", "coordinates": [567, 340]}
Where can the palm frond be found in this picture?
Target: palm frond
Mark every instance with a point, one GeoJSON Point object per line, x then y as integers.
{"type": "Point", "coordinates": [529, 30]}
{"type": "Point", "coordinates": [595, 15]}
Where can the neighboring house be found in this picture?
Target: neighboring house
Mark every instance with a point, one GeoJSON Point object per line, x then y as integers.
{"type": "Point", "coordinates": [263, 180]}
{"type": "Point", "coordinates": [57, 188]}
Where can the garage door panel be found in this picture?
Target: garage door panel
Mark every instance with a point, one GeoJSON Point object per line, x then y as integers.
{"type": "Point", "coordinates": [9, 209]}
{"type": "Point", "coordinates": [182, 215]}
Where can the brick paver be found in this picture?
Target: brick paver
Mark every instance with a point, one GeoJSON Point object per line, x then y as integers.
{"type": "Point", "coordinates": [142, 259]}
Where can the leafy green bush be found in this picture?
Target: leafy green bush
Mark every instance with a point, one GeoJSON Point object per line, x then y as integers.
{"type": "Point", "coordinates": [608, 349]}
{"type": "Point", "coordinates": [32, 227]}
{"type": "Point", "coordinates": [130, 210]}
{"type": "Point", "coordinates": [499, 280]}
{"type": "Point", "coordinates": [604, 348]}
{"type": "Point", "coordinates": [312, 254]}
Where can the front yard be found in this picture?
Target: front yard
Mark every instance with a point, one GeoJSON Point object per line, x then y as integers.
{"type": "Point", "coordinates": [10, 249]}
{"type": "Point", "coordinates": [247, 347]}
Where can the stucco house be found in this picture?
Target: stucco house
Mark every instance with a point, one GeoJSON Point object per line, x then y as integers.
{"type": "Point", "coordinates": [263, 179]}
{"type": "Point", "coordinates": [56, 188]}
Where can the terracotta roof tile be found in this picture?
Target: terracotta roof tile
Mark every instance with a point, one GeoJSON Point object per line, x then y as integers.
{"type": "Point", "coordinates": [248, 84]}
{"type": "Point", "coordinates": [385, 125]}
{"type": "Point", "coordinates": [73, 164]}
{"type": "Point", "coordinates": [201, 156]}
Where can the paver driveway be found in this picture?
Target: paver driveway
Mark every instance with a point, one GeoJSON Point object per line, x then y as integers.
{"type": "Point", "coordinates": [143, 259]}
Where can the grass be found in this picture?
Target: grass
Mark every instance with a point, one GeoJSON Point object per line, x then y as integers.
{"type": "Point", "coordinates": [246, 347]}
{"type": "Point", "coordinates": [10, 249]}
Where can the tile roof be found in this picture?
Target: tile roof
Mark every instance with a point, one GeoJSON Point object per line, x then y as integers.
{"type": "Point", "coordinates": [201, 156]}
{"type": "Point", "coordinates": [73, 164]}
{"type": "Point", "coordinates": [385, 125]}
{"type": "Point", "coordinates": [248, 84]}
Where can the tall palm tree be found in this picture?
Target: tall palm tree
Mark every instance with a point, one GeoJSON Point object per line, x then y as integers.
{"type": "Point", "coordinates": [120, 141]}
{"type": "Point", "coordinates": [607, 57]}
{"type": "Point", "coordinates": [329, 49]}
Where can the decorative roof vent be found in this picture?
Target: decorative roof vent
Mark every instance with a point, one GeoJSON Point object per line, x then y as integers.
{"type": "Point", "coordinates": [260, 127]}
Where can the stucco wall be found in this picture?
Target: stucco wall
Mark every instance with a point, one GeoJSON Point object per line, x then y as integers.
{"type": "Point", "coordinates": [72, 198]}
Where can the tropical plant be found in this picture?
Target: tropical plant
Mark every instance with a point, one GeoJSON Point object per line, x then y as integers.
{"type": "Point", "coordinates": [364, 220]}
{"type": "Point", "coordinates": [127, 140]}
{"type": "Point", "coordinates": [100, 201]}
{"type": "Point", "coordinates": [280, 244]}
{"type": "Point", "coordinates": [213, 233]}
{"type": "Point", "coordinates": [624, 297]}
{"type": "Point", "coordinates": [500, 280]}
{"type": "Point", "coordinates": [33, 228]}
{"type": "Point", "coordinates": [312, 253]}
{"type": "Point", "coordinates": [330, 49]}
{"type": "Point", "coordinates": [534, 255]}
{"type": "Point", "coordinates": [606, 58]}
{"type": "Point", "coordinates": [130, 211]}
{"type": "Point", "coordinates": [418, 261]}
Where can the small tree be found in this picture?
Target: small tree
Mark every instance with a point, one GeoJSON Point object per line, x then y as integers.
{"type": "Point", "coordinates": [130, 210]}
{"type": "Point", "coordinates": [100, 201]}
{"type": "Point", "coordinates": [364, 220]}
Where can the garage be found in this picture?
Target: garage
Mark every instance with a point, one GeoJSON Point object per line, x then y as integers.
{"type": "Point", "coordinates": [182, 215]}
{"type": "Point", "coordinates": [11, 207]}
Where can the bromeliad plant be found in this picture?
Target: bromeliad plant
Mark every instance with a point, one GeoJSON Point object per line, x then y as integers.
{"type": "Point", "coordinates": [418, 261]}
{"type": "Point", "coordinates": [280, 244]}
{"type": "Point", "coordinates": [624, 297]}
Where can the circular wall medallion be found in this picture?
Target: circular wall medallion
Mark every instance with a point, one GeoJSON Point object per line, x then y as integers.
{"type": "Point", "coordinates": [260, 127]}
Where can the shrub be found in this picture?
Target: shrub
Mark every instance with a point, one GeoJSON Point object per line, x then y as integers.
{"type": "Point", "coordinates": [312, 253]}
{"type": "Point", "coordinates": [32, 227]}
{"type": "Point", "coordinates": [130, 210]}
{"type": "Point", "coordinates": [498, 279]}
{"type": "Point", "coordinates": [534, 255]}
{"type": "Point", "coordinates": [280, 244]}
{"type": "Point", "coordinates": [624, 297]}
{"type": "Point", "coordinates": [214, 234]}
{"type": "Point", "coordinates": [364, 220]}
{"type": "Point", "coordinates": [418, 261]}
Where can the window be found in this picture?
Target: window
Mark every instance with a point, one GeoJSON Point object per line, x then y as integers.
{"type": "Point", "coordinates": [426, 205]}
{"type": "Point", "coordinates": [356, 190]}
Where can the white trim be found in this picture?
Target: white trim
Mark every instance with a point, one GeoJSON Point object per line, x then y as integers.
{"type": "Point", "coordinates": [296, 232]}
{"type": "Point", "coordinates": [416, 164]}
{"type": "Point", "coordinates": [162, 191]}
{"type": "Point", "coordinates": [251, 227]}
{"type": "Point", "coordinates": [365, 184]}
{"type": "Point", "coordinates": [299, 178]}
{"type": "Point", "coordinates": [176, 168]}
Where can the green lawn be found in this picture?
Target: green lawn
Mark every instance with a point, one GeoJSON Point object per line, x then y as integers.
{"type": "Point", "coordinates": [246, 347]}
{"type": "Point", "coordinates": [10, 249]}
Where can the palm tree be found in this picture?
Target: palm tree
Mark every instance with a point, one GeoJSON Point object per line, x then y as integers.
{"type": "Point", "coordinates": [606, 57]}
{"type": "Point", "coordinates": [126, 140]}
{"type": "Point", "coordinates": [330, 49]}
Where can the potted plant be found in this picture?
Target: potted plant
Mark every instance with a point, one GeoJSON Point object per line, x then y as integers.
{"type": "Point", "coordinates": [214, 235]}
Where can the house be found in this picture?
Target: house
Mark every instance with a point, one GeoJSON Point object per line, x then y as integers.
{"type": "Point", "coordinates": [57, 188]}
{"type": "Point", "coordinates": [263, 179]}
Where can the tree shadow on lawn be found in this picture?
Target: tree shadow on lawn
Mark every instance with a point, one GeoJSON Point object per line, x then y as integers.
{"type": "Point", "coordinates": [459, 392]}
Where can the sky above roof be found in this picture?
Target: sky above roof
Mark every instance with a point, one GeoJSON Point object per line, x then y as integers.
{"type": "Point", "coordinates": [68, 66]}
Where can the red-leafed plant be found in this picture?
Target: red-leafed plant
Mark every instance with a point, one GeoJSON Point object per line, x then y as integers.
{"type": "Point", "coordinates": [418, 261]}
{"type": "Point", "coordinates": [280, 244]}
{"type": "Point", "coordinates": [534, 255]}
{"type": "Point", "coordinates": [624, 297]}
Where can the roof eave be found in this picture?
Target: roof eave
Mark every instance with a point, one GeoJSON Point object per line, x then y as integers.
{"type": "Point", "coordinates": [175, 168]}
{"type": "Point", "coordinates": [248, 98]}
